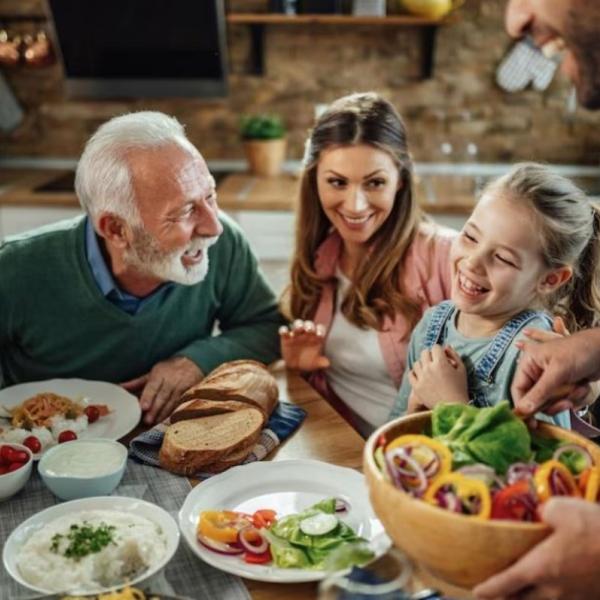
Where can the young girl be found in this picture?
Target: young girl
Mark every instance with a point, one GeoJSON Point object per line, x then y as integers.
{"type": "Point", "coordinates": [530, 244]}
{"type": "Point", "coordinates": [366, 265]}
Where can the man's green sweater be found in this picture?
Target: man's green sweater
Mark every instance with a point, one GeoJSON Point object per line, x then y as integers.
{"type": "Point", "coordinates": [55, 322]}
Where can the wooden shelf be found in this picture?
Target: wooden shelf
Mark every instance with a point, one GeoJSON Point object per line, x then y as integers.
{"type": "Point", "coordinates": [277, 19]}
{"type": "Point", "coordinates": [258, 21]}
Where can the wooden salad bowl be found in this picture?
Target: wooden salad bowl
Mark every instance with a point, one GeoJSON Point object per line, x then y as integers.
{"type": "Point", "coordinates": [459, 550]}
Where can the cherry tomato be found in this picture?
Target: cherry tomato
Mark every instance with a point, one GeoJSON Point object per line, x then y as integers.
{"type": "Point", "coordinates": [264, 518]}
{"type": "Point", "coordinates": [32, 443]}
{"type": "Point", "coordinates": [14, 466]}
{"type": "Point", "coordinates": [20, 456]}
{"type": "Point", "coordinates": [67, 436]}
{"type": "Point", "coordinates": [92, 413]}
{"type": "Point", "coordinates": [7, 454]}
{"type": "Point", "coordinates": [3, 469]}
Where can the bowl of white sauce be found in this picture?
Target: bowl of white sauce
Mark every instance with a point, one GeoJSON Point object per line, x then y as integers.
{"type": "Point", "coordinates": [83, 468]}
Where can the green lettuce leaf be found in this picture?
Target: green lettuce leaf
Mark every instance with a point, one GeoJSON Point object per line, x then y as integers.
{"type": "Point", "coordinates": [291, 547]}
{"type": "Point", "coordinates": [493, 436]}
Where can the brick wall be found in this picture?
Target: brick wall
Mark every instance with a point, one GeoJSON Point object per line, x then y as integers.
{"type": "Point", "coordinates": [306, 65]}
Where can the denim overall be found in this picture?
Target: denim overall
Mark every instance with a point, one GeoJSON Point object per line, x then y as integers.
{"type": "Point", "coordinates": [483, 371]}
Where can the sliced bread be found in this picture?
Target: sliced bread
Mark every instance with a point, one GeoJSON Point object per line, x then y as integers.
{"type": "Point", "coordinates": [242, 381]}
{"type": "Point", "coordinates": [191, 444]}
{"type": "Point", "coordinates": [231, 460]}
{"type": "Point", "coordinates": [194, 409]}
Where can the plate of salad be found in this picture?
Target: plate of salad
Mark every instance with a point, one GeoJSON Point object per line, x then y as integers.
{"type": "Point", "coordinates": [286, 521]}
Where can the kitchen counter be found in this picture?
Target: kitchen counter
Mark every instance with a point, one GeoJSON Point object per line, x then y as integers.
{"type": "Point", "coordinates": [437, 193]}
{"type": "Point", "coordinates": [440, 187]}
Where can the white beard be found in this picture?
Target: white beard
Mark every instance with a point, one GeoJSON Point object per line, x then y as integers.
{"type": "Point", "coordinates": [146, 257]}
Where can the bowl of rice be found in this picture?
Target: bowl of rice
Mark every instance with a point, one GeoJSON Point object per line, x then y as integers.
{"type": "Point", "coordinates": [91, 545]}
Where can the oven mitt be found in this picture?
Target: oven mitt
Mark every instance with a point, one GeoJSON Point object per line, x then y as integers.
{"type": "Point", "coordinates": [525, 64]}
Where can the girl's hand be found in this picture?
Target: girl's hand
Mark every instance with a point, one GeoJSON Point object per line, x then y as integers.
{"type": "Point", "coordinates": [414, 404]}
{"type": "Point", "coordinates": [438, 376]}
{"type": "Point", "coordinates": [302, 346]}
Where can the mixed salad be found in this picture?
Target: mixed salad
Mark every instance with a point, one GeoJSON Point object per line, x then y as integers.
{"type": "Point", "coordinates": [485, 463]}
{"type": "Point", "coordinates": [311, 539]}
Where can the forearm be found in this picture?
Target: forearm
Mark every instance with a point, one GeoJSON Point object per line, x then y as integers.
{"type": "Point", "coordinates": [586, 347]}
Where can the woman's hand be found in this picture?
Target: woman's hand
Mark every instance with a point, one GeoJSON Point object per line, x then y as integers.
{"type": "Point", "coordinates": [302, 346]}
{"type": "Point", "coordinates": [438, 376]}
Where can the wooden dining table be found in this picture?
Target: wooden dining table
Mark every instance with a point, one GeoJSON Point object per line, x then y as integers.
{"type": "Point", "coordinates": [324, 435]}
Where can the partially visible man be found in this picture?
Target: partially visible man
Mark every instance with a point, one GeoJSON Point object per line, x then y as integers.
{"type": "Point", "coordinates": [565, 565]}
{"type": "Point", "coordinates": [125, 294]}
{"type": "Point", "coordinates": [574, 24]}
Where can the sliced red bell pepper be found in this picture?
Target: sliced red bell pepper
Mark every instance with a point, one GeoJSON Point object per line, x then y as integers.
{"type": "Point", "coordinates": [257, 559]}
{"type": "Point", "coordinates": [515, 502]}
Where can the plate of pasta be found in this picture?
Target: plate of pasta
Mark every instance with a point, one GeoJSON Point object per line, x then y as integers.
{"type": "Point", "coordinates": [42, 414]}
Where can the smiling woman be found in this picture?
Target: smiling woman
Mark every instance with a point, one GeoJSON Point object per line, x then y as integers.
{"type": "Point", "coordinates": [366, 262]}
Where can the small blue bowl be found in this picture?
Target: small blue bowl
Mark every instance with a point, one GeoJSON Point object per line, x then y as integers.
{"type": "Point", "coordinates": [83, 468]}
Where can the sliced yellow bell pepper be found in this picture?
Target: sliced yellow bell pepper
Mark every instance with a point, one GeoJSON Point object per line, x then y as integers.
{"type": "Point", "coordinates": [221, 525]}
{"type": "Point", "coordinates": [542, 480]}
{"type": "Point", "coordinates": [466, 489]}
{"type": "Point", "coordinates": [415, 440]}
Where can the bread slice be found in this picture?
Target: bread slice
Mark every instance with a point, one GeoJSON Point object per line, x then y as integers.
{"type": "Point", "coordinates": [194, 409]}
{"type": "Point", "coordinates": [191, 444]}
{"type": "Point", "coordinates": [231, 460]}
{"type": "Point", "coordinates": [245, 381]}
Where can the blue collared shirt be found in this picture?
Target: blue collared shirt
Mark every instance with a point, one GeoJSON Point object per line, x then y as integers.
{"type": "Point", "coordinates": [106, 283]}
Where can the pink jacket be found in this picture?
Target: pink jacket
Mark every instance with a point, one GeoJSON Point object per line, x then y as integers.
{"type": "Point", "coordinates": [426, 271]}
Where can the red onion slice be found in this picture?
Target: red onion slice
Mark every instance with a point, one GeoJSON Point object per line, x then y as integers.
{"type": "Point", "coordinates": [341, 505]}
{"type": "Point", "coordinates": [558, 485]}
{"type": "Point", "coordinates": [574, 448]}
{"type": "Point", "coordinates": [416, 472]}
{"type": "Point", "coordinates": [520, 471]}
{"type": "Point", "coordinates": [248, 544]}
{"type": "Point", "coordinates": [484, 473]}
{"type": "Point", "coordinates": [219, 547]}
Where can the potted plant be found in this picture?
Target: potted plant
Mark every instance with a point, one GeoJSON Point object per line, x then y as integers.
{"type": "Point", "coordinates": [264, 143]}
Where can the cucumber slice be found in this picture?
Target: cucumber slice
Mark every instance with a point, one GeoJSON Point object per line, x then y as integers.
{"type": "Point", "coordinates": [319, 524]}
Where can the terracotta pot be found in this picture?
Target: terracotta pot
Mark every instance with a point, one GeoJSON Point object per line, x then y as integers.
{"type": "Point", "coordinates": [457, 549]}
{"type": "Point", "coordinates": [265, 157]}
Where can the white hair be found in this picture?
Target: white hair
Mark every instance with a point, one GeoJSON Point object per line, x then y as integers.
{"type": "Point", "coordinates": [103, 179]}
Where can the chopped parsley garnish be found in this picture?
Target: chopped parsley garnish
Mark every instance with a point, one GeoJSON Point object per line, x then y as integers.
{"type": "Point", "coordinates": [83, 540]}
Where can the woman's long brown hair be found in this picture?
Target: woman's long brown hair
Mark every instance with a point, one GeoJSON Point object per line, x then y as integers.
{"type": "Point", "coordinates": [375, 294]}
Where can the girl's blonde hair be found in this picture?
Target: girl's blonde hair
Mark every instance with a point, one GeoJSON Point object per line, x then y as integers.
{"type": "Point", "coordinates": [357, 119]}
{"type": "Point", "coordinates": [570, 225]}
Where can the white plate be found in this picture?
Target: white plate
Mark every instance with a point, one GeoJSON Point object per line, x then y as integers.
{"type": "Point", "coordinates": [287, 486]}
{"type": "Point", "coordinates": [139, 507]}
{"type": "Point", "coordinates": [124, 408]}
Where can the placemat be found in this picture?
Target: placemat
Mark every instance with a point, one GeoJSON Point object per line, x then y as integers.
{"type": "Point", "coordinates": [283, 422]}
{"type": "Point", "coordinates": [185, 575]}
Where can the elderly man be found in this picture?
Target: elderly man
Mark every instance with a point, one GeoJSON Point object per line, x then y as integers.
{"type": "Point", "coordinates": [125, 294]}
{"type": "Point", "coordinates": [565, 565]}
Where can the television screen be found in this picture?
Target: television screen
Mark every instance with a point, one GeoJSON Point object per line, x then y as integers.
{"type": "Point", "coordinates": [142, 48]}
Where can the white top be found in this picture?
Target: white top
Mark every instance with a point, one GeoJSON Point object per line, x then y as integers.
{"type": "Point", "coordinates": [358, 374]}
